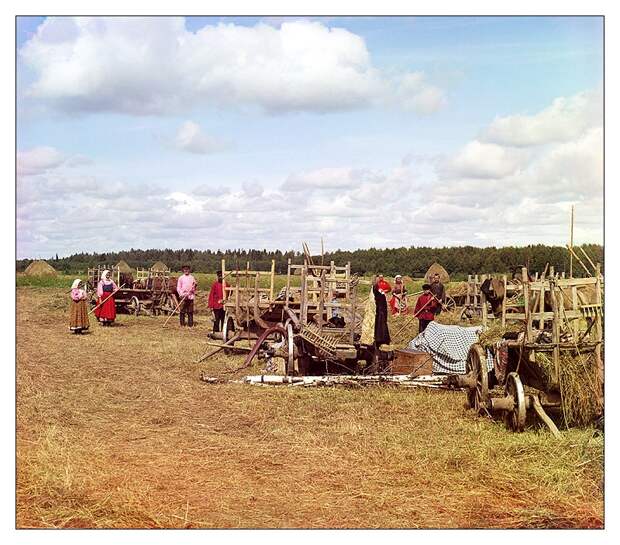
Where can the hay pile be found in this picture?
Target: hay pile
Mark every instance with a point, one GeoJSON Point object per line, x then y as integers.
{"type": "Point", "coordinates": [159, 267]}
{"type": "Point", "coordinates": [368, 323]}
{"type": "Point", "coordinates": [123, 267]}
{"type": "Point", "coordinates": [40, 268]}
{"type": "Point", "coordinates": [435, 268]}
{"type": "Point", "coordinates": [457, 289]}
{"type": "Point", "coordinates": [495, 332]}
{"type": "Point", "coordinates": [580, 385]}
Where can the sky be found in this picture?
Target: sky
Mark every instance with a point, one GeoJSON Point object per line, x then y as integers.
{"type": "Point", "coordinates": [224, 133]}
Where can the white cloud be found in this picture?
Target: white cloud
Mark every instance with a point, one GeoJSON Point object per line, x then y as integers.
{"type": "Point", "coordinates": [192, 139]}
{"type": "Point", "coordinates": [564, 120]}
{"type": "Point", "coordinates": [38, 160]}
{"type": "Point", "coordinates": [414, 93]}
{"type": "Point", "coordinates": [154, 65]}
{"type": "Point", "coordinates": [481, 160]}
{"type": "Point", "coordinates": [487, 194]}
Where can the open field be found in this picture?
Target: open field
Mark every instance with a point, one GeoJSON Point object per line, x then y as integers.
{"type": "Point", "coordinates": [115, 429]}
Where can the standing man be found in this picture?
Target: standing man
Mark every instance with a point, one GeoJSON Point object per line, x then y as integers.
{"type": "Point", "coordinates": [438, 290]}
{"type": "Point", "coordinates": [425, 308]}
{"type": "Point", "coordinates": [216, 303]}
{"type": "Point", "coordinates": [186, 288]}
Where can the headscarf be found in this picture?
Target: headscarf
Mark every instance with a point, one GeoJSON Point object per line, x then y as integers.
{"type": "Point", "coordinates": [76, 284]}
{"type": "Point", "coordinates": [103, 277]}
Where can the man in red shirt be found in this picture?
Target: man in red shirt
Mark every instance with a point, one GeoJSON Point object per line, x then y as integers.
{"type": "Point", "coordinates": [216, 300]}
{"type": "Point", "coordinates": [425, 307]}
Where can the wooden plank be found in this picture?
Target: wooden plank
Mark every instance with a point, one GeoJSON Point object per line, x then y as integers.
{"type": "Point", "coordinates": [526, 299]}
{"type": "Point", "coordinates": [555, 334]}
{"type": "Point", "coordinates": [483, 302]}
{"type": "Point", "coordinates": [288, 283]}
{"type": "Point", "coordinates": [505, 281]}
{"type": "Point", "coordinates": [514, 316]}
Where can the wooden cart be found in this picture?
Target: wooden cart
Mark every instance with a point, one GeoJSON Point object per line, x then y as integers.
{"type": "Point", "coordinates": [557, 320]}
{"type": "Point", "coordinates": [311, 326]}
{"type": "Point", "coordinates": [150, 292]}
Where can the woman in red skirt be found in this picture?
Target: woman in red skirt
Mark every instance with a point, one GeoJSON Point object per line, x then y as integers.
{"type": "Point", "coordinates": [106, 313]}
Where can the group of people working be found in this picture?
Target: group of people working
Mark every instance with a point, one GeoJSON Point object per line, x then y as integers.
{"type": "Point", "coordinates": [105, 308]}
{"type": "Point", "coordinates": [428, 304]}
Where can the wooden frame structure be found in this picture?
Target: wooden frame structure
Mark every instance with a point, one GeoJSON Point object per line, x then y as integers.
{"type": "Point", "coordinates": [140, 293]}
{"type": "Point", "coordinates": [558, 318]}
{"type": "Point", "coordinates": [313, 321]}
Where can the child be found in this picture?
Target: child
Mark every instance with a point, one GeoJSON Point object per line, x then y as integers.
{"type": "Point", "coordinates": [78, 320]}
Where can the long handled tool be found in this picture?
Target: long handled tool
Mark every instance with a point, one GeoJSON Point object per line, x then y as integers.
{"type": "Point", "coordinates": [174, 311]}
{"type": "Point", "coordinates": [95, 308]}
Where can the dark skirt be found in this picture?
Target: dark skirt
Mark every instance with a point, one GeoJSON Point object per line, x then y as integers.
{"type": "Point", "coordinates": [78, 316]}
{"type": "Point", "coordinates": [382, 333]}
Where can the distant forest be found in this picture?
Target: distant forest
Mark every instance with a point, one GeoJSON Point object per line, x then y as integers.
{"type": "Point", "coordinates": [414, 261]}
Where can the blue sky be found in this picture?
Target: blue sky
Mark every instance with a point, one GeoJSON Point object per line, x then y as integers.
{"type": "Point", "coordinates": [250, 132]}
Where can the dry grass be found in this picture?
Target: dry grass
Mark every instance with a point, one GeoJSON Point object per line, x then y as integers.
{"type": "Point", "coordinates": [115, 430]}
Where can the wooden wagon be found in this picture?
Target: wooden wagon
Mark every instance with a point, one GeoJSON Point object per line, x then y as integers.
{"type": "Point", "coordinates": [310, 326]}
{"type": "Point", "coordinates": [150, 292]}
{"type": "Point", "coordinates": [559, 320]}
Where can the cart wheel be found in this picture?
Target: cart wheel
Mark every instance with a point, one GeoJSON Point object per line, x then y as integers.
{"type": "Point", "coordinates": [228, 328]}
{"type": "Point", "coordinates": [134, 306]}
{"type": "Point", "coordinates": [166, 305]}
{"type": "Point", "coordinates": [450, 304]}
{"type": "Point", "coordinates": [515, 419]}
{"type": "Point", "coordinates": [478, 396]}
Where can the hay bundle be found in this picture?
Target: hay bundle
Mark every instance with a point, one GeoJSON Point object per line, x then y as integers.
{"type": "Point", "coordinates": [40, 268]}
{"type": "Point", "coordinates": [580, 385]}
{"type": "Point", "coordinates": [495, 333]}
{"type": "Point", "coordinates": [368, 323]}
{"type": "Point", "coordinates": [457, 289]}
{"type": "Point", "coordinates": [436, 268]}
{"type": "Point", "coordinates": [159, 267]}
{"type": "Point", "coordinates": [123, 267]}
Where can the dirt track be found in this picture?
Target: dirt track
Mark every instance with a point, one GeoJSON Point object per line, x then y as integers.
{"type": "Point", "coordinates": [114, 429]}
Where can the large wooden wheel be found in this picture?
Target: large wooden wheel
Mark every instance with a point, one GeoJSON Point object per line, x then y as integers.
{"type": "Point", "coordinates": [515, 419]}
{"type": "Point", "coordinates": [475, 366]}
{"type": "Point", "coordinates": [134, 306]}
{"type": "Point", "coordinates": [167, 304]}
{"type": "Point", "coordinates": [228, 327]}
{"type": "Point", "coordinates": [450, 304]}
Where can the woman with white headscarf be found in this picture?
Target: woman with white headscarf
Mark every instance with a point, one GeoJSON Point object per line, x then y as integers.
{"type": "Point", "coordinates": [78, 315]}
{"type": "Point", "coordinates": [106, 313]}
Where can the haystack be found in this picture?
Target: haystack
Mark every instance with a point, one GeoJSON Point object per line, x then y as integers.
{"type": "Point", "coordinates": [444, 277]}
{"type": "Point", "coordinates": [123, 267]}
{"type": "Point", "coordinates": [40, 268]}
{"type": "Point", "coordinates": [159, 267]}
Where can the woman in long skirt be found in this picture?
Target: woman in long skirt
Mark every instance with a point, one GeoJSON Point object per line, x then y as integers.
{"type": "Point", "coordinates": [78, 315]}
{"type": "Point", "coordinates": [106, 313]}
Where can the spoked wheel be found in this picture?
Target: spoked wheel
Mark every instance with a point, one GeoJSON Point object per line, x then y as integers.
{"type": "Point", "coordinates": [450, 304]}
{"type": "Point", "coordinates": [228, 328]}
{"type": "Point", "coordinates": [134, 306]}
{"type": "Point", "coordinates": [478, 395]}
{"type": "Point", "coordinates": [167, 304]}
{"type": "Point", "coordinates": [515, 419]}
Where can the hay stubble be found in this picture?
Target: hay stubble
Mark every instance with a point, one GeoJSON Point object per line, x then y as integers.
{"type": "Point", "coordinates": [114, 429]}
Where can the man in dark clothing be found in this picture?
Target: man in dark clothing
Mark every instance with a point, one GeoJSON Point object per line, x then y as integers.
{"type": "Point", "coordinates": [438, 290]}
{"type": "Point", "coordinates": [379, 289]}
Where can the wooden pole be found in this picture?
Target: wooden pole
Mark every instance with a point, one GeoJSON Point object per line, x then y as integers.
{"type": "Point", "coordinates": [572, 221]}
{"type": "Point", "coordinates": [174, 311]}
{"type": "Point", "coordinates": [95, 308]}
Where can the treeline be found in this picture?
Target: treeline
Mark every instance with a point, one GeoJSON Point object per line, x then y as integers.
{"type": "Point", "coordinates": [414, 261]}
